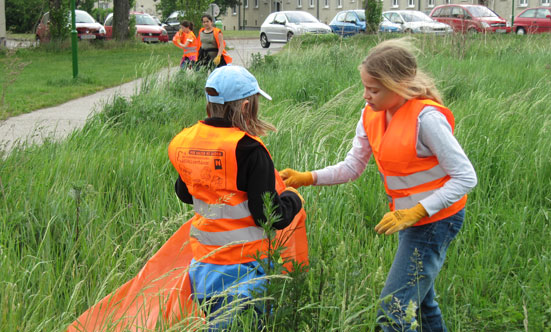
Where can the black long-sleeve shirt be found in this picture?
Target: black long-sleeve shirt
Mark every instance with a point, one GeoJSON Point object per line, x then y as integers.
{"type": "Point", "coordinates": [255, 176]}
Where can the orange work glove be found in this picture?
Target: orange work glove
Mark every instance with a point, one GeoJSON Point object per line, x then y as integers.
{"type": "Point", "coordinates": [216, 60]}
{"type": "Point", "coordinates": [400, 219]}
{"type": "Point", "coordinates": [296, 179]}
{"type": "Point", "coordinates": [296, 192]}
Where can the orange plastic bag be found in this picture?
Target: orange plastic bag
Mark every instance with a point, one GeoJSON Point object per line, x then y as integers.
{"type": "Point", "coordinates": [160, 295]}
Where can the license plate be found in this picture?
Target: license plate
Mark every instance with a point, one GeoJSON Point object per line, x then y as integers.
{"type": "Point", "coordinates": [87, 36]}
{"type": "Point", "coordinates": [501, 30]}
{"type": "Point", "coordinates": [150, 39]}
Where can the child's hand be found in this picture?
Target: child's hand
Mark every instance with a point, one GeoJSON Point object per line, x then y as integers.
{"type": "Point", "coordinates": [296, 192]}
{"type": "Point", "coordinates": [296, 179]}
{"type": "Point", "coordinates": [400, 219]}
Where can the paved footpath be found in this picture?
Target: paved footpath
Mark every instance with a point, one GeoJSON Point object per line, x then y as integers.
{"type": "Point", "coordinates": [59, 121]}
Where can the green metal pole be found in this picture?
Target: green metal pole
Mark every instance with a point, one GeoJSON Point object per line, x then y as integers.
{"type": "Point", "coordinates": [512, 14]}
{"type": "Point", "coordinates": [74, 37]}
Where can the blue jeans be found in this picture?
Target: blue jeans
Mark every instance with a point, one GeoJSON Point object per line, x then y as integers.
{"type": "Point", "coordinates": [419, 258]}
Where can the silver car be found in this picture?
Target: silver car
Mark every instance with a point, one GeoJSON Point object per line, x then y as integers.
{"type": "Point", "coordinates": [413, 21]}
{"type": "Point", "coordinates": [280, 27]}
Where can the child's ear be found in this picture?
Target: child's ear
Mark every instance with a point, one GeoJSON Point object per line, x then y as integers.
{"type": "Point", "coordinates": [245, 107]}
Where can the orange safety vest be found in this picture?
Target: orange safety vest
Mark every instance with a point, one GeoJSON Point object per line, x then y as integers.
{"type": "Point", "coordinates": [216, 32]}
{"type": "Point", "coordinates": [407, 177]}
{"type": "Point", "coordinates": [182, 37]}
{"type": "Point", "coordinates": [204, 156]}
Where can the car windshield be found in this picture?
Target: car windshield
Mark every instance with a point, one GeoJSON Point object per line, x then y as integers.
{"type": "Point", "coordinates": [416, 17]}
{"type": "Point", "coordinates": [298, 17]}
{"type": "Point", "coordinates": [481, 11]}
{"type": "Point", "coordinates": [83, 17]}
{"type": "Point", "coordinates": [144, 19]}
{"type": "Point", "coordinates": [361, 15]}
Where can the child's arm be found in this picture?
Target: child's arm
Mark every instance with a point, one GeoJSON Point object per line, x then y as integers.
{"type": "Point", "coordinates": [182, 192]}
{"type": "Point", "coordinates": [436, 138]}
{"type": "Point", "coordinates": [256, 176]}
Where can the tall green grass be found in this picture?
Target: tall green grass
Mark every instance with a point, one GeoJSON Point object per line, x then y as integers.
{"type": "Point", "coordinates": [80, 217]}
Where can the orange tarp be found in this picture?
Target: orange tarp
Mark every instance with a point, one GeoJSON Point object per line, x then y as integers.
{"type": "Point", "coordinates": [160, 295]}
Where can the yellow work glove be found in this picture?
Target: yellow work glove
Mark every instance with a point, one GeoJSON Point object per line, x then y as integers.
{"type": "Point", "coordinates": [216, 60]}
{"type": "Point", "coordinates": [296, 192]}
{"type": "Point", "coordinates": [400, 219]}
{"type": "Point", "coordinates": [296, 179]}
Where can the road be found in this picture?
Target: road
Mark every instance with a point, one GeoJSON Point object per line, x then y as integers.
{"type": "Point", "coordinates": [59, 121]}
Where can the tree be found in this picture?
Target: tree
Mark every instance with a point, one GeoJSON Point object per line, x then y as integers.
{"type": "Point", "coordinates": [193, 9]}
{"type": "Point", "coordinates": [86, 5]}
{"type": "Point", "coordinates": [373, 12]}
{"type": "Point", "coordinates": [121, 10]}
{"type": "Point", "coordinates": [22, 15]}
{"type": "Point", "coordinates": [59, 20]}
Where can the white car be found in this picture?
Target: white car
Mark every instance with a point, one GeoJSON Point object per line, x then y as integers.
{"type": "Point", "coordinates": [280, 27]}
{"type": "Point", "coordinates": [413, 21]}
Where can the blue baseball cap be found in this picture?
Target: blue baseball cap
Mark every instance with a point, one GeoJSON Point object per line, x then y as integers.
{"type": "Point", "coordinates": [232, 83]}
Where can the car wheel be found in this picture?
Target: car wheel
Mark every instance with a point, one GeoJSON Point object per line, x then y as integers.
{"type": "Point", "coordinates": [264, 41]}
{"type": "Point", "coordinates": [521, 31]}
{"type": "Point", "coordinates": [36, 41]}
{"type": "Point", "coordinates": [289, 36]}
{"type": "Point", "coordinates": [472, 31]}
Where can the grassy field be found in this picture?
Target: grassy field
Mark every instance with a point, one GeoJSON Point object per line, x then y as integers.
{"type": "Point", "coordinates": [80, 217]}
{"type": "Point", "coordinates": [35, 78]}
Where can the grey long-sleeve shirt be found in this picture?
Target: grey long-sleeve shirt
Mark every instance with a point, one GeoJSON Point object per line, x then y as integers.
{"type": "Point", "coordinates": [434, 138]}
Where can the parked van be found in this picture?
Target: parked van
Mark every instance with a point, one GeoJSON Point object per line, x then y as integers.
{"type": "Point", "coordinates": [470, 18]}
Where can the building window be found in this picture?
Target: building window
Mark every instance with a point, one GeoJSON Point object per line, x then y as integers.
{"type": "Point", "coordinates": [523, 3]}
{"type": "Point", "coordinates": [246, 3]}
{"type": "Point", "coordinates": [299, 3]}
{"type": "Point", "coordinates": [431, 3]}
{"type": "Point", "coordinates": [545, 2]}
{"type": "Point", "coordinates": [311, 3]}
{"type": "Point", "coordinates": [447, 2]}
{"type": "Point", "coordinates": [326, 4]}
{"type": "Point", "coordinates": [339, 3]}
{"type": "Point", "coordinates": [395, 4]}
{"type": "Point", "coordinates": [411, 3]}
{"type": "Point", "coordinates": [234, 10]}
{"type": "Point", "coordinates": [255, 3]}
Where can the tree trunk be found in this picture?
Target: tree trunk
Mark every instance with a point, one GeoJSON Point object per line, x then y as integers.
{"type": "Point", "coordinates": [121, 10]}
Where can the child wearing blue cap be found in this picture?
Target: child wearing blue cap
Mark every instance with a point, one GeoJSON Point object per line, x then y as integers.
{"type": "Point", "coordinates": [225, 170]}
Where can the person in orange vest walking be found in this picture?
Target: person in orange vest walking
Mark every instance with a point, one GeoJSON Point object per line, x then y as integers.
{"type": "Point", "coordinates": [211, 45]}
{"type": "Point", "coordinates": [225, 171]}
{"type": "Point", "coordinates": [186, 40]}
{"type": "Point", "coordinates": [426, 176]}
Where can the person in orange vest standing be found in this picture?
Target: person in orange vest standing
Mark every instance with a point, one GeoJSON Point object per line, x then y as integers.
{"type": "Point", "coordinates": [425, 172]}
{"type": "Point", "coordinates": [225, 171]}
{"type": "Point", "coordinates": [186, 40]}
{"type": "Point", "coordinates": [211, 45]}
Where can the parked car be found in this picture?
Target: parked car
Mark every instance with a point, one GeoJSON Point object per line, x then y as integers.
{"type": "Point", "coordinates": [387, 26]}
{"type": "Point", "coordinates": [470, 18]}
{"type": "Point", "coordinates": [146, 28]}
{"type": "Point", "coordinates": [533, 20]}
{"type": "Point", "coordinates": [87, 27]}
{"type": "Point", "coordinates": [348, 22]}
{"type": "Point", "coordinates": [172, 23]}
{"type": "Point", "coordinates": [413, 21]}
{"type": "Point", "coordinates": [280, 27]}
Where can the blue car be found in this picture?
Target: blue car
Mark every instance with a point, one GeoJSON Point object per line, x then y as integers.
{"type": "Point", "coordinates": [348, 22]}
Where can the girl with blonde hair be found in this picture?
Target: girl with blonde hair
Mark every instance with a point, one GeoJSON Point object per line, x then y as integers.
{"type": "Point", "coordinates": [426, 175]}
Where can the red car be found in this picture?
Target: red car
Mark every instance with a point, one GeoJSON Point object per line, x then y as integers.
{"type": "Point", "coordinates": [146, 28]}
{"type": "Point", "coordinates": [533, 20]}
{"type": "Point", "coordinates": [470, 18]}
{"type": "Point", "coordinates": [87, 27]}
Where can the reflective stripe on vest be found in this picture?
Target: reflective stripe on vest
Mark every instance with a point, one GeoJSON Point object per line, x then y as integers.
{"type": "Point", "coordinates": [415, 179]}
{"type": "Point", "coordinates": [237, 236]}
{"type": "Point", "coordinates": [411, 200]}
{"type": "Point", "coordinates": [221, 211]}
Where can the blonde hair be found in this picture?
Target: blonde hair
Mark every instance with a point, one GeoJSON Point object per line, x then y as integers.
{"type": "Point", "coordinates": [394, 65]}
{"type": "Point", "coordinates": [247, 120]}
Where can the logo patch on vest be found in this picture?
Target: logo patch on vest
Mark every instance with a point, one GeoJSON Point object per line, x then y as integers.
{"type": "Point", "coordinates": [202, 167]}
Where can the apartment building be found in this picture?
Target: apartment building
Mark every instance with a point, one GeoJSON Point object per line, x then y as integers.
{"type": "Point", "coordinates": [251, 13]}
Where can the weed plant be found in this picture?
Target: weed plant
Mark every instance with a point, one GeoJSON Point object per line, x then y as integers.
{"type": "Point", "coordinates": [80, 217]}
